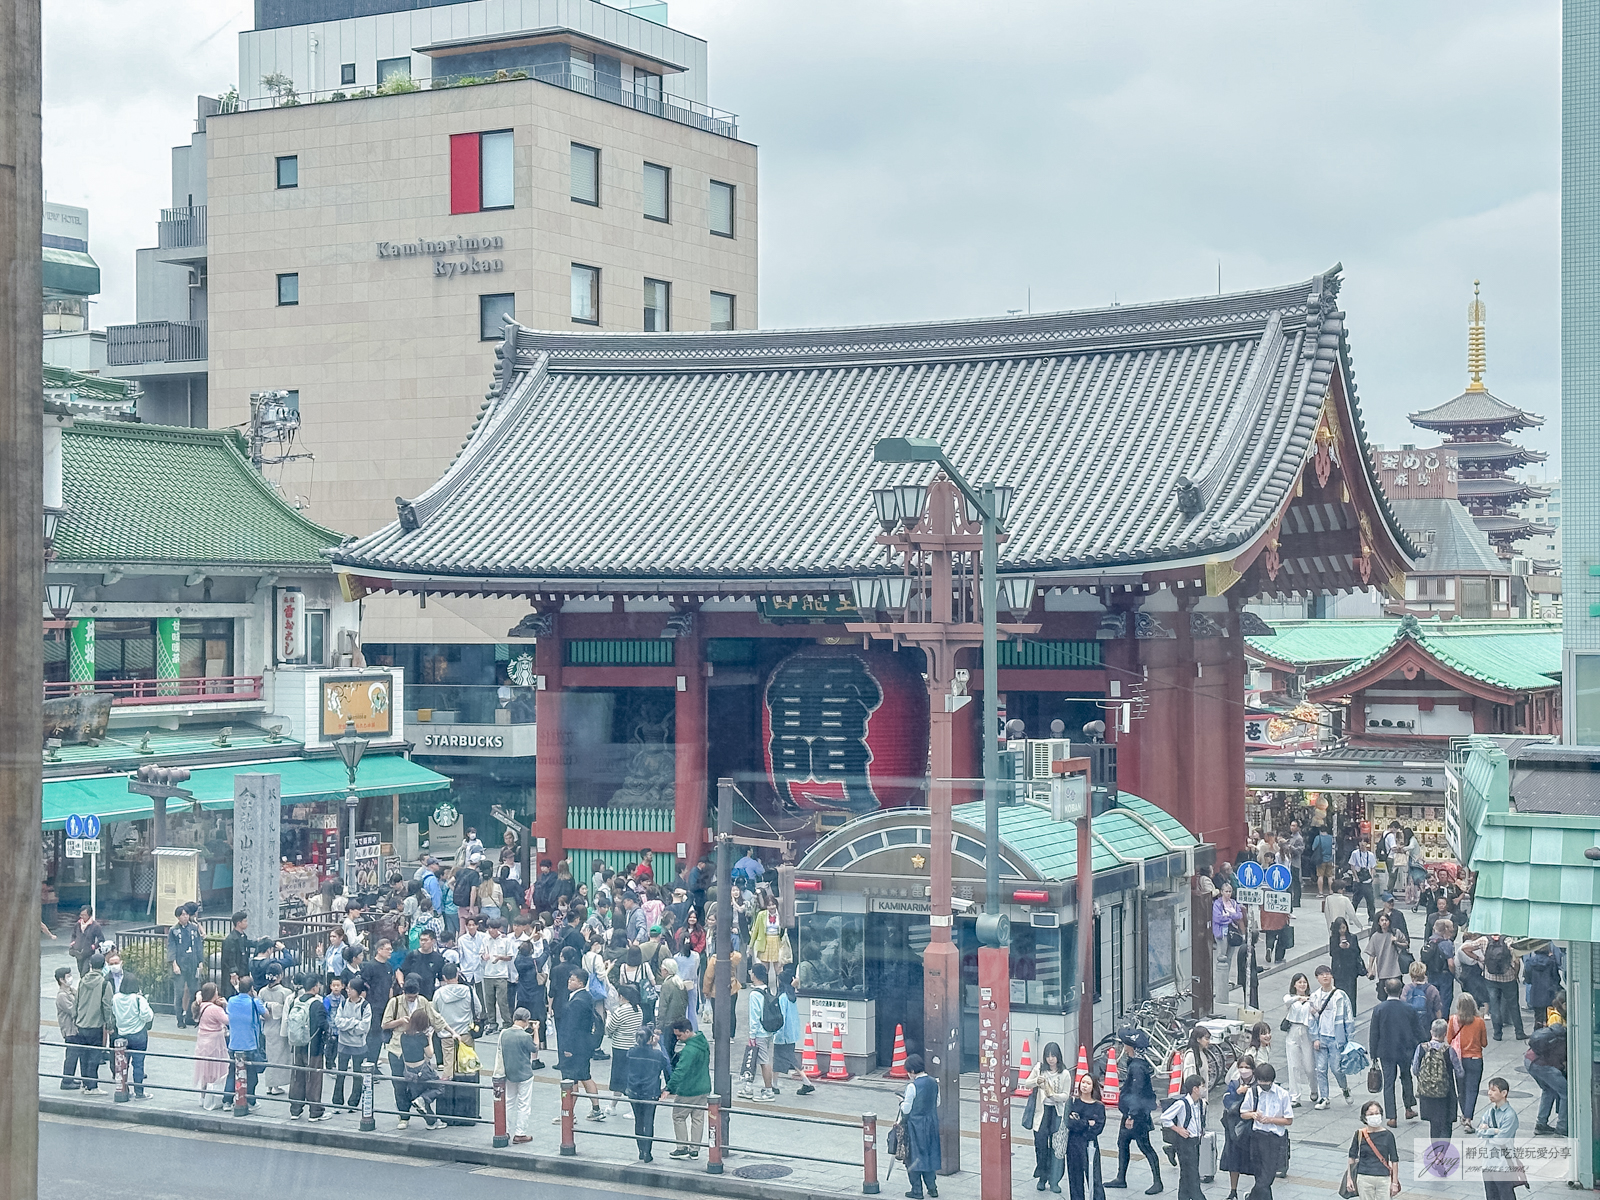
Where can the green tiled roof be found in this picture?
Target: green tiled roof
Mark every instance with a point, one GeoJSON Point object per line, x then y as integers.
{"type": "Point", "coordinates": [74, 388]}
{"type": "Point", "coordinates": [1120, 835]}
{"type": "Point", "coordinates": [1516, 656]}
{"type": "Point", "coordinates": [187, 497]}
{"type": "Point", "coordinates": [302, 780]}
{"type": "Point", "coordinates": [1303, 643]}
{"type": "Point", "coordinates": [1533, 880]}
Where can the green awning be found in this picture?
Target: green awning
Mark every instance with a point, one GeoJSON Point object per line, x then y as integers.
{"type": "Point", "coordinates": [71, 271]}
{"type": "Point", "coordinates": [304, 780]}
{"type": "Point", "coordinates": [1122, 834]}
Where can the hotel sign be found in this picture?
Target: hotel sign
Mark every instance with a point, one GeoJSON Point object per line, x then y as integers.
{"type": "Point", "coordinates": [451, 256]}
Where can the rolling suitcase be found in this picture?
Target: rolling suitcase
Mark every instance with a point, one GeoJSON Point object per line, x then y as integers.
{"type": "Point", "coordinates": [1208, 1156]}
{"type": "Point", "coordinates": [460, 1103]}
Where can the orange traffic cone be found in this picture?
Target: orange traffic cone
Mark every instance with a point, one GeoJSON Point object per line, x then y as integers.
{"type": "Point", "coordinates": [808, 1059]}
{"type": "Point", "coordinates": [1082, 1068]}
{"type": "Point", "coordinates": [1024, 1070]}
{"type": "Point", "coordinates": [1111, 1086]}
{"type": "Point", "coordinates": [836, 1071]}
{"type": "Point", "coordinates": [897, 1069]}
{"type": "Point", "coordinates": [1175, 1076]}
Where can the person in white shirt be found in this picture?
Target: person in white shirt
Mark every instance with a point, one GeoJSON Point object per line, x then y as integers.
{"type": "Point", "coordinates": [134, 1018]}
{"type": "Point", "coordinates": [1338, 905]}
{"type": "Point", "coordinates": [469, 947]}
{"type": "Point", "coordinates": [498, 951]}
{"type": "Point", "coordinates": [1268, 1107]}
{"type": "Point", "coordinates": [1364, 870]}
{"type": "Point", "coordinates": [1332, 1024]}
{"type": "Point", "coordinates": [1186, 1117]}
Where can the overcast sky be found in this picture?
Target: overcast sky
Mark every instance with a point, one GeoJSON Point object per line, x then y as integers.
{"type": "Point", "coordinates": [940, 159]}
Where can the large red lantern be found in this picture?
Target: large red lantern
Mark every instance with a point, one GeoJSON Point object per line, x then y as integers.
{"type": "Point", "coordinates": [846, 729]}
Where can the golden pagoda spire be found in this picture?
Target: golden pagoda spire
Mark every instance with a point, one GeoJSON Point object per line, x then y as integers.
{"type": "Point", "coordinates": [1476, 357]}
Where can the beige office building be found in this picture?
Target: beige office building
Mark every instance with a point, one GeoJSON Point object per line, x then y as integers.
{"type": "Point", "coordinates": [360, 250]}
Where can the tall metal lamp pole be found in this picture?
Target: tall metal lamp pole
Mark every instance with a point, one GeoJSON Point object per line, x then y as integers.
{"type": "Point", "coordinates": [351, 747]}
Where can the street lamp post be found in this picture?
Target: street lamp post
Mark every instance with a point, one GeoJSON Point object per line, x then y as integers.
{"type": "Point", "coordinates": [351, 748]}
{"type": "Point", "coordinates": [932, 527]}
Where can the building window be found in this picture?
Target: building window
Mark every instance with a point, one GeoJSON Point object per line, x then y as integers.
{"type": "Point", "coordinates": [722, 209]}
{"type": "Point", "coordinates": [492, 314]}
{"type": "Point", "coordinates": [646, 87]}
{"type": "Point", "coordinates": [657, 306]}
{"type": "Point", "coordinates": [582, 65]}
{"type": "Point", "coordinates": [393, 68]}
{"type": "Point", "coordinates": [347, 73]}
{"type": "Point", "coordinates": [586, 294]}
{"type": "Point", "coordinates": [657, 185]}
{"type": "Point", "coordinates": [721, 310]}
{"type": "Point", "coordinates": [316, 637]}
{"type": "Point", "coordinates": [480, 171]}
{"type": "Point", "coordinates": [288, 289]}
{"type": "Point", "coordinates": [585, 174]}
{"type": "Point", "coordinates": [289, 171]}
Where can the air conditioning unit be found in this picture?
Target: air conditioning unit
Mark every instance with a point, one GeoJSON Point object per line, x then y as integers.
{"type": "Point", "coordinates": [1522, 566]}
{"type": "Point", "coordinates": [1043, 752]}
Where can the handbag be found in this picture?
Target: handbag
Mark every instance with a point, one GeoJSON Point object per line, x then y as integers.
{"type": "Point", "coordinates": [1235, 938]}
{"type": "Point", "coordinates": [1285, 1025]}
{"type": "Point", "coordinates": [1374, 1080]}
{"type": "Point", "coordinates": [1030, 1110]}
{"type": "Point", "coordinates": [1347, 1184]}
{"type": "Point", "coordinates": [1058, 1141]}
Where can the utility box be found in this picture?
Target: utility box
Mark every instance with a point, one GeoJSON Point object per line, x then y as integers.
{"type": "Point", "coordinates": [177, 878]}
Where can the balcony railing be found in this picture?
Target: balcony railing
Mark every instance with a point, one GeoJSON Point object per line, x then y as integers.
{"type": "Point", "coordinates": [181, 227]}
{"type": "Point", "coordinates": [214, 689]}
{"type": "Point", "coordinates": [155, 342]}
{"type": "Point", "coordinates": [672, 108]}
{"type": "Point", "coordinates": [471, 703]}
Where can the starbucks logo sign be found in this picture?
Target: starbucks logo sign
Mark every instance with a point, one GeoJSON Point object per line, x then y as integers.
{"type": "Point", "coordinates": [445, 815]}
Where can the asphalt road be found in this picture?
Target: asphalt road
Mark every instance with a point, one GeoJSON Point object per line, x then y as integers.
{"type": "Point", "coordinates": [113, 1162]}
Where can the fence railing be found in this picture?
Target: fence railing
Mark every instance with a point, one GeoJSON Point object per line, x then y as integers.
{"type": "Point", "coordinates": [243, 1072]}
{"type": "Point", "coordinates": [154, 342]}
{"type": "Point", "coordinates": [212, 688]}
{"type": "Point", "coordinates": [678, 109]}
{"type": "Point", "coordinates": [180, 228]}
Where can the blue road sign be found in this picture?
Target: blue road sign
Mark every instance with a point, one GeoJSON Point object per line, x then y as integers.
{"type": "Point", "coordinates": [83, 826]}
{"type": "Point", "coordinates": [1278, 877]}
{"type": "Point", "coordinates": [1249, 875]}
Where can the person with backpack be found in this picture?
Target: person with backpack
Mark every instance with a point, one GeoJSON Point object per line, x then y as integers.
{"type": "Point", "coordinates": [1137, 1103]}
{"type": "Point", "coordinates": [1332, 1024]}
{"type": "Point", "coordinates": [1393, 1039]}
{"type": "Point", "coordinates": [352, 1025]}
{"type": "Point", "coordinates": [246, 1036]}
{"type": "Point", "coordinates": [1439, 1074]}
{"type": "Point", "coordinates": [1548, 1066]}
{"type": "Point", "coordinates": [1422, 996]}
{"type": "Point", "coordinates": [1542, 974]}
{"type": "Point", "coordinates": [766, 1022]}
{"type": "Point", "coordinates": [1363, 865]}
{"type": "Point", "coordinates": [306, 1026]}
{"type": "Point", "coordinates": [1500, 973]}
{"type": "Point", "coordinates": [1183, 1124]}
{"type": "Point", "coordinates": [1439, 957]}
{"type": "Point", "coordinates": [1322, 848]}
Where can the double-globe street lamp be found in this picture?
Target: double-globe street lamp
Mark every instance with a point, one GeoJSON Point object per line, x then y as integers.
{"type": "Point", "coordinates": [930, 602]}
{"type": "Point", "coordinates": [351, 747]}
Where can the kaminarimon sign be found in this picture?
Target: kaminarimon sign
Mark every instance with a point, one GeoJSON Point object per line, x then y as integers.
{"type": "Point", "coordinates": [445, 263]}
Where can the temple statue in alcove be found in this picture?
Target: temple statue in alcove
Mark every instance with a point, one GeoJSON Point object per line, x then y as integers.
{"type": "Point", "coordinates": [650, 779]}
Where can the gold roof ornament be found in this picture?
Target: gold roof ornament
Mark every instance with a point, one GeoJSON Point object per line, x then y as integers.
{"type": "Point", "coordinates": [1476, 354]}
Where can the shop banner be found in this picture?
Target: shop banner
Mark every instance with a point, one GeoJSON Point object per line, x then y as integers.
{"type": "Point", "coordinates": [365, 699]}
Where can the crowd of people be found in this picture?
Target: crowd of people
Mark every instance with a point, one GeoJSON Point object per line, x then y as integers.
{"type": "Point", "coordinates": [616, 968]}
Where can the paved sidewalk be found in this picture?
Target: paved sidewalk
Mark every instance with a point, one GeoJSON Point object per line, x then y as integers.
{"type": "Point", "coordinates": [1320, 1139]}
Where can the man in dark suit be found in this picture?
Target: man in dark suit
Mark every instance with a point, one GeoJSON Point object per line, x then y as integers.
{"type": "Point", "coordinates": [1393, 1041]}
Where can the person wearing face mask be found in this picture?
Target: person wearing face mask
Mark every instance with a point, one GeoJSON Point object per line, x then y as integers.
{"type": "Point", "coordinates": [1374, 1161]}
{"type": "Point", "coordinates": [1235, 1156]}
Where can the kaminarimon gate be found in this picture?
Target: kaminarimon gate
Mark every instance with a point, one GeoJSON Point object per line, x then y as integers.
{"type": "Point", "coordinates": [685, 514]}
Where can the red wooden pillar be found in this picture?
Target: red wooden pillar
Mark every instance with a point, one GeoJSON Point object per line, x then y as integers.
{"type": "Point", "coordinates": [1121, 658]}
{"type": "Point", "coordinates": [554, 752]}
{"type": "Point", "coordinates": [690, 784]}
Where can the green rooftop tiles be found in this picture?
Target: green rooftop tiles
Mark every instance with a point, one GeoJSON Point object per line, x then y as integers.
{"type": "Point", "coordinates": [153, 494]}
{"type": "Point", "coordinates": [1305, 643]}
{"type": "Point", "coordinates": [1515, 656]}
{"type": "Point", "coordinates": [1052, 848]}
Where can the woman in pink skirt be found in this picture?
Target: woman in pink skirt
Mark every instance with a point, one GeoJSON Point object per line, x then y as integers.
{"type": "Point", "coordinates": [211, 1047]}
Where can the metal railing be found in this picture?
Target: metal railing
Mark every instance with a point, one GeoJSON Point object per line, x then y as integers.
{"type": "Point", "coordinates": [243, 1072]}
{"type": "Point", "coordinates": [208, 689]}
{"type": "Point", "coordinates": [679, 109]}
{"type": "Point", "coordinates": [181, 227]}
{"type": "Point", "coordinates": [155, 342]}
